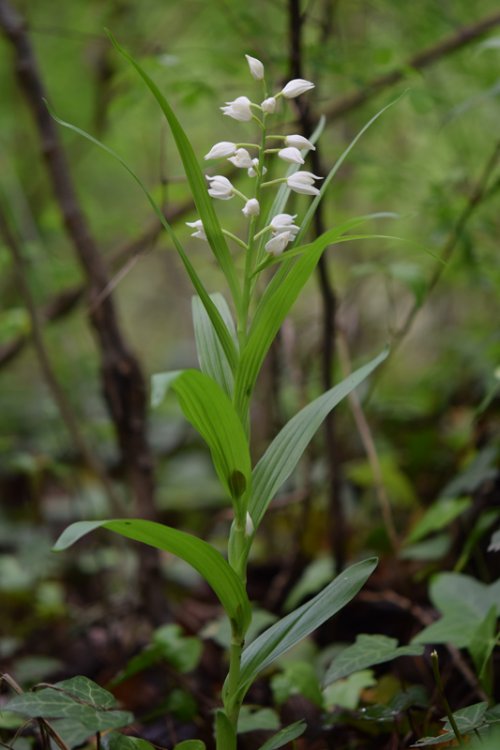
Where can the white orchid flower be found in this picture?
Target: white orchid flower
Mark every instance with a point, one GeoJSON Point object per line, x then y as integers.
{"type": "Point", "coordinates": [277, 244]}
{"type": "Point", "coordinates": [284, 223]}
{"type": "Point", "coordinates": [299, 142]}
{"type": "Point", "coordinates": [296, 87]}
{"type": "Point", "coordinates": [252, 171]}
{"type": "Point", "coordinates": [200, 229]}
{"type": "Point", "coordinates": [256, 67]}
{"type": "Point", "coordinates": [251, 208]}
{"type": "Point", "coordinates": [239, 109]}
{"type": "Point", "coordinates": [269, 105]}
{"type": "Point", "coordinates": [220, 188]}
{"type": "Point", "coordinates": [291, 154]}
{"type": "Point", "coordinates": [241, 159]}
{"type": "Point", "coordinates": [303, 182]}
{"type": "Point", "coordinates": [221, 149]}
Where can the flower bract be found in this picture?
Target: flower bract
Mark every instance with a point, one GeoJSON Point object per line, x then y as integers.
{"type": "Point", "coordinates": [239, 109]}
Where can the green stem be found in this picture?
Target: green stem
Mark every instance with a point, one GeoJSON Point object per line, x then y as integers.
{"type": "Point", "coordinates": [447, 707]}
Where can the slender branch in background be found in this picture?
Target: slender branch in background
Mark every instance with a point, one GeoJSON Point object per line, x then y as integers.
{"type": "Point", "coordinates": [424, 59]}
{"type": "Point", "coordinates": [125, 257]}
{"type": "Point", "coordinates": [336, 514]}
{"type": "Point", "coordinates": [64, 406]}
{"type": "Point", "coordinates": [123, 382]}
{"type": "Point", "coordinates": [481, 192]}
{"type": "Point", "coordinates": [368, 443]}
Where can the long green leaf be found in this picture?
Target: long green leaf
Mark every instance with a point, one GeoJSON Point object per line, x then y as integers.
{"type": "Point", "coordinates": [212, 311]}
{"type": "Point", "coordinates": [211, 412]}
{"type": "Point", "coordinates": [287, 632]}
{"type": "Point", "coordinates": [285, 735]}
{"type": "Point", "coordinates": [282, 456]}
{"type": "Point", "coordinates": [273, 307]}
{"type": "Point", "coordinates": [211, 356]}
{"type": "Point", "coordinates": [195, 178]}
{"type": "Point", "coordinates": [201, 556]}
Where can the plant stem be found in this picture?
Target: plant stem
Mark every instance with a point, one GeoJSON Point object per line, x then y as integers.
{"type": "Point", "coordinates": [447, 707]}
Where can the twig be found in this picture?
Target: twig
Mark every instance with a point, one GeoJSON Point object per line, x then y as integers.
{"type": "Point", "coordinates": [64, 406]}
{"type": "Point", "coordinates": [477, 196]}
{"type": "Point", "coordinates": [123, 384]}
{"type": "Point", "coordinates": [420, 61]}
{"type": "Point", "coordinates": [368, 444]}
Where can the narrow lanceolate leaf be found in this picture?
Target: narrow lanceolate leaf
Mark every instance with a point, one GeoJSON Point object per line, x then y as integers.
{"type": "Point", "coordinates": [278, 298]}
{"type": "Point", "coordinates": [214, 315]}
{"type": "Point", "coordinates": [211, 356]}
{"type": "Point", "coordinates": [288, 734]}
{"type": "Point", "coordinates": [195, 178]}
{"type": "Point", "coordinates": [284, 634]}
{"type": "Point", "coordinates": [282, 456]}
{"type": "Point", "coordinates": [201, 556]}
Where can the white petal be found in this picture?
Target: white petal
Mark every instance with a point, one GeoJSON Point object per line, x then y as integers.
{"type": "Point", "coordinates": [299, 142]}
{"type": "Point", "coordinates": [221, 149]}
{"type": "Point", "coordinates": [277, 244]}
{"type": "Point", "coordinates": [269, 105]}
{"type": "Point", "coordinates": [251, 208]}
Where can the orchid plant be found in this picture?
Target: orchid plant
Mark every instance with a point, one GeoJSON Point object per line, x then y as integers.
{"type": "Point", "coordinates": [232, 340]}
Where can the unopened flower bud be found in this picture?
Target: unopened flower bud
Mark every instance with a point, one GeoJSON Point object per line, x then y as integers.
{"type": "Point", "coordinates": [256, 67]}
{"type": "Point", "coordinates": [299, 142]}
{"type": "Point", "coordinates": [277, 244]}
{"type": "Point", "coordinates": [296, 87]}
{"type": "Point", "coordinates": [251, 207]}
{"type": "Point", "coordinates": [291, 154]}
{"type": "Point", "coordinates": [249, 527]}
{"type": "Point", "coordinates": [269, 105]}
{"type": "Point", "coordinates": [252, 171]}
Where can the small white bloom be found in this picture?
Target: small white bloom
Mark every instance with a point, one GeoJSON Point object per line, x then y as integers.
{"type": "Point", "coordinates": [256, 67]}
{"type": "Point", "coordinates": [249, 527]}
{"type": "Point", "coordinates": [269, 105]}
{"type": "Point", "coordinates": [241, 159]}
{"type": "Point", "coordinates": [220, 188]}
{"type": "Point", "coordinates": [198, 226]}
{"type": "Point", "coordinates": [299, 142]}
{"type": "Point", "coordinates": [277, 244]}
{"type": "Point", "coordinates": [296, 87]}
{"type": "Point", "coordinates": [239, 109]}
{"type": "Point", "coordinates": [221, 149]}
{"type": "Point", "coordinates": [251, 207]}
{"type": "Point", "coordinates": [284, 223]}
{"type": "Point", "coordinates": [291, 154]}
{"type": "Point", "coordinates": [303, 182]}
{"type": "Point", "coordinates": [252, 172]}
